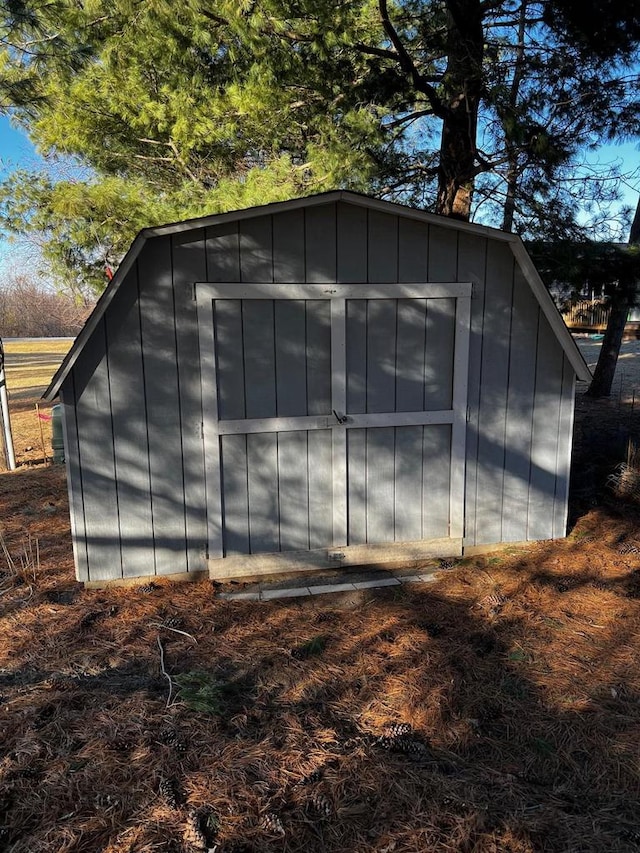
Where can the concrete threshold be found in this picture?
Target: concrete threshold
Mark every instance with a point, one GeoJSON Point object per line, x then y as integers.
{"type": "Point", "coordinates": [348, 582]}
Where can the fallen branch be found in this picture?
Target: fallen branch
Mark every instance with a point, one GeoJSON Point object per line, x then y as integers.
{"type": "Point", "coordinates": [164, 672]}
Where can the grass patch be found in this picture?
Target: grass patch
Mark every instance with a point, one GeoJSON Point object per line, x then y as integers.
{"type": "Point", "coordinates": [313, 647]}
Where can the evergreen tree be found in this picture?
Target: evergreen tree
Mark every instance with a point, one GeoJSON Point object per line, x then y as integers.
{"type": "Point", "coordinates": [176, 109]}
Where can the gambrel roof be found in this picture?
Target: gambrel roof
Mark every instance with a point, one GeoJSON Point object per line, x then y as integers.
{"type": "Point", "coordinates": [520, 253]}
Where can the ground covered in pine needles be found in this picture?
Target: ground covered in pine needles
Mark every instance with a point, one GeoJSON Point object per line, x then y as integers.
{"type": "Point", "coordinates": [495, 710]}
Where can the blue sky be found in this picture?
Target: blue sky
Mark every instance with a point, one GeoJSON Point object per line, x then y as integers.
{"type": "Point", "coordinates": [15, 148]}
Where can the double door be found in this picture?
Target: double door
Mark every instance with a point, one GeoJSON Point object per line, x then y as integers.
{"type": "Point", "coordinates": [334, 422]}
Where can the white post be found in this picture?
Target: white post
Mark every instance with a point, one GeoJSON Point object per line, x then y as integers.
{"type": "Point", "coordinates": [4, 415]}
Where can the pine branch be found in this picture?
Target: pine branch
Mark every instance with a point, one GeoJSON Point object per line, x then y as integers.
{"type": "Point", "coordinates": [408, 66]}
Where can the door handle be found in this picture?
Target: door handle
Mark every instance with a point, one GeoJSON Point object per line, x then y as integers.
{"type": "Point", "coordinates": [341, 420]}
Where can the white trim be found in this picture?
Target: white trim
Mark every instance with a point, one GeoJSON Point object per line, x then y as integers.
{"type": "Point", "coordinates": [459, 427]}
{"type": "Point", "coordinates": [94, 318]}
{"type": "Point", "coordinates": [331, 197]}
{"type": "Point", "coordinates": [246, 565]}
{"type": "Point", "coordinates": [69, 411]}
{"type": "Point", "coordinates": [363, 421]}
{"type": "Point", "coordinates": [339, 433]}
{"type": "Point", "coordinates": [210, 435]}
{"type": "Point", "coordinates": [416, 290]}
{"type": "Point", "coordinates": [550, 311]}
{"type": "Point", "coordinates": [565, 516]}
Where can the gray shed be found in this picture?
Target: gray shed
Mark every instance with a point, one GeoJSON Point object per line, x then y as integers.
{"type": "Point", "coordinates": [322, 382]}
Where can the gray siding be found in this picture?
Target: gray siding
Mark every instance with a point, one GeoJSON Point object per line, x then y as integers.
{"type": "Point", "coordinates": [133, 405]}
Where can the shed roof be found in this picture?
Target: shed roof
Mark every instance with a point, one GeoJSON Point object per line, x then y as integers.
{"type": "Point", "coordinates": [522, 257]}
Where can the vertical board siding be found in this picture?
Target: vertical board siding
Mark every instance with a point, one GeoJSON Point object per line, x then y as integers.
{"type": "Point", "coordinates": [472, 260]}
{"type": "Point", "coordinates": [320, 478]}
{"type": "Point", "coordinates": [235, 497]}
{"type": "Point", "coordinates": [400, 354]}
{"type": "Point", "coordinates": [436, 481]}
{"type": "Point", "coordinates": [563, 460]}
{"type": "Point", "coordinates": [381, 320]}
{"type": "Point", "coordinates": [95, 443]}
{"type": "Point", "coordinates": [351, 244]}
{"type": "Point", "coordinates": [410, 355]}
{"type": "Point", "coordinates": [399, 483]}
{"type": "Point", "coordinates": [129, 423]}
{"type": "Point", "coordinates": [289, 247]}
{"type": "Point", "coordinates": [382, 249]}
{"type": "Point", "coordinates": [262, 478]}
{"type": "Point", "coordinates": [223, 253]}
{"type": "Point", "coordinates": [356, 336]}
{"type": "Point", "coordinates": [380, 486]}
{"type": "Point", "coordinates": [162, 405]}
{"type": "Point", "coordinates": [408, 484]}
{"type": "Point", "coordinates": [443, 254]}
{"type": "Point", "coordinates": [356, 486]}
{"type": "Point", "coordinates": [258, 337]}
{"type": "Point", "coordinates": [189, 266]}
{"type": "Point", "coordinates": [291, 357]}
{"type": "Point", "coordinates": [273, 357]}
{"type": "Point", "coordinates": [256, 249]}
{"type": "Point", "coordinates": [544, 439]}
{"type": "Point", "coordinates": [440, 343]}
{"type": "Point", "coordinates": [318, 356]}
{"type": "Point", "coordinates": [320, 244]}
{"type": "Point", "coordinates": [520, 395]}
{"type": "Point", "coordinates": [493, 393]}
{"type": "Point", "coordinates": [413, 251]}
{"type": "Point", "coordinates": [74, 479]}
{"type": "Point", "coordinates": [229, 358]}
{"type": "Point", "coordinates": [293, 490]}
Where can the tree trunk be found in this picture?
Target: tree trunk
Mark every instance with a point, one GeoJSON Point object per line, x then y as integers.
{"type": "Point", "coordinates": [623, 299]}
{"type": "Point", "coordinates": [602, 381]}
{"type": "Point", "coordinates": [513, 165]}
{"type": "Point", "coordinates": [463, 87]}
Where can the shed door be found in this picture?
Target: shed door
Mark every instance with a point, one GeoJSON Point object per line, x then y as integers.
{"type": "Point", "coordinates": [334, 422]}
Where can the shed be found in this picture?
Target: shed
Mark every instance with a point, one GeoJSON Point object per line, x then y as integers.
{"type": "Point", "coordinates": [328, 381]}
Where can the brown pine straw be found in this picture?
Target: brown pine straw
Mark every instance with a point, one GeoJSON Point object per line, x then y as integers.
{"type": "Point", "coordinates": [518, 672]}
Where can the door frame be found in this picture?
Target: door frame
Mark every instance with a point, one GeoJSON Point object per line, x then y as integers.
{"type": "Point", "coordinates": [337, 553]}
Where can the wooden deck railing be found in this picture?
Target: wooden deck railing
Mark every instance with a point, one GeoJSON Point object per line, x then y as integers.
{"type": "Point", "coordinates": [586, 313]}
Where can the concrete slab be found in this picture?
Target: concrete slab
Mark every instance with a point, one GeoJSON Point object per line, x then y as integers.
{"type": "Point", "coordinates": [376, 584]}
{"type": "Point", "coordinates": [240, 596]}
{"type": "Point", "coordinates": [325, 589]}
{"type": "Point", "coordinates": [271, 594]}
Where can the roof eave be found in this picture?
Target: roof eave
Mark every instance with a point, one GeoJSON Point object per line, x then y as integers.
{"type": "Point", "coordinates": [550, 311]}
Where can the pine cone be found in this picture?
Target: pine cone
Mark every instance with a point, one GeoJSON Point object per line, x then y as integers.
{"type": "Point", "coordinates": [194, 837]}
{"type": "Point", "coordinates": [321, 805]}
{"type": "Point", "coordinates": [170, 737]}
{"type": "Point", "coordinates": [628, 548]}
{"type": "Point", "coordinates": [147, 587]}
{"type": "Point", "coordinates": [168, 791]}
{"type": "Point", "coordinates": [401, 743]}
{"type": "Point", "coordinates": [410, 745]}
{"type": "Point", "coordinates": [271, 823]}
{"type": "Point", "coordinates": [398, 730]}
